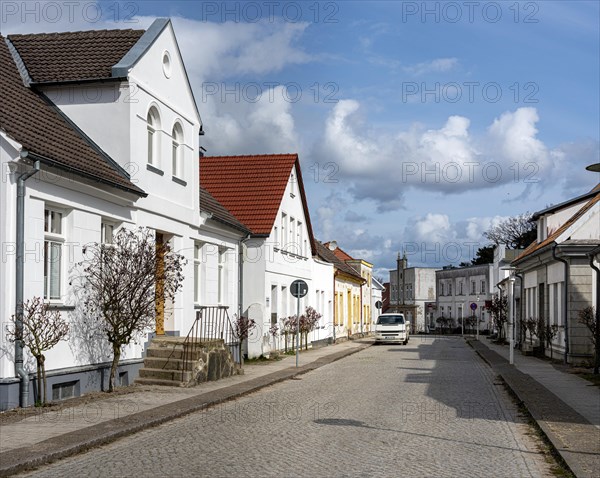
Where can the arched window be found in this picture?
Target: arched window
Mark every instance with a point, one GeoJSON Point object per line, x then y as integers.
{"type": "Point", "coordinates": [177, 154]}
{"type": "Point", "coordinates": [153, 122]}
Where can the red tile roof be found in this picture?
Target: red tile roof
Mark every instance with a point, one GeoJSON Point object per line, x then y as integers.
{"type": "Point", "coordinates": [328, 255]}
{"type": "Point", "coordinates": [535, 246]}
{"type": "Point", "coordinates": [250, 187]}
{"type": "Point", "coordinates": [340, 254]}
{"type": "Point", "coordinates": [44, 131]}
{"type": "Point", "coordinates": [69, 56]}
{"type": "Point", "coordinates": [209, 204]}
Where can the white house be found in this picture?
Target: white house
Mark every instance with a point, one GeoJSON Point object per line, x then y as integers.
{"type": "Point", "coordinates": [106, 124]}
{"type": "Point", "coordinates": [377, 289]}
{"type": "Point", "coordinates": [266, 194]}
{"type": "Point", "coordinates": [558, 272]}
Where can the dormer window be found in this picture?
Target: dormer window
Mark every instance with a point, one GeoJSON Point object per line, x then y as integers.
{"type": "Point", "coordinates": [177, 151]}
{"type": "Point", "coordinates": [153, 123]}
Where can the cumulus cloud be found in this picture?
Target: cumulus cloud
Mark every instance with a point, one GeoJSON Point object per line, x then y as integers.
{"type": "Point", "coordinates": [450, 159]}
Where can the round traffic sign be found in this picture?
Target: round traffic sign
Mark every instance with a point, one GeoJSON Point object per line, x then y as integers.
{"type": "Point", "coordinates": [299, 288]}
{"type": "Point", "coordinates": [378, 304]}
{"type": "Point", "coordinates": [473, 306]}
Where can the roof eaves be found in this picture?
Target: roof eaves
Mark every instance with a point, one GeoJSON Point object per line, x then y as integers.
{"type": "Point", "coordinates": [122, 68]}
{"type": "Point", "coordinates": [56, 164]}
{"type": "Point", "coordinates": [565, 204]}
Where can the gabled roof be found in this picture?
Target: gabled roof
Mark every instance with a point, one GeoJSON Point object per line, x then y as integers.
{"type": "Point", "coordinates": [327, 255]}
{"type": "Point", "coordinates": [340, 254]}
{"type": "Point", "coordinates": [209, 204]}
{"type": "Point", "coordinates": [536, 247]}
{"type": "Point", "coordinates": [567, 203]}
{"type": "Point", "coordinates": [252, 187]}
{"type": "Point", "coordinates": [47, 134]}
{"type": "Point", "coordinates": [73, 56]}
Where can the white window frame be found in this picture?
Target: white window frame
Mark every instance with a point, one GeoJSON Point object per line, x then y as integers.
{"type": "Point", "coordinates": [222, 276]}
{"type": "Point", "coordinates": [198, 250]}
{"type": "Point", "coordinates": [177, 148]}
{"type": "Point", "coordinates": [153, 136]}
{"type": "Point", "coordinates": [106, 226]}
{"type": "Point", "coordinates": [283, 230]}
{"type": "Point", "coordinates": [58, 239]}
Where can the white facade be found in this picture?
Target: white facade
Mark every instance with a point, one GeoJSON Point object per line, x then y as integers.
{"type": "Point", "coordinates": [115, 117]}
{"type": "Point", "coordinates": [270, 266]}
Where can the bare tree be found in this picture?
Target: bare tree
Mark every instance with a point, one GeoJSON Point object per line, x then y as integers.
{"type": "Point", "coordinates": [122, 284]}
{"type": "Point", "coordinates": [499, 310]}
{"type": "Point", "coordinates": [241, 329]}
{"type": "Point", "coordinates": [308, 322]}
{"type": "Point", "coordinates": [43, 328]}
{"type": "Point", "coordinates": [589, 318]}
{"type": "Point", "coordinates": [550, 334]}
{"type": "Point", "coordinates": [516, 232]}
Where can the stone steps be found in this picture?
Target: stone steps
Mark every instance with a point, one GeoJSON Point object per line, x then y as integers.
{"type": "Point", "coordinates": [165, 374]}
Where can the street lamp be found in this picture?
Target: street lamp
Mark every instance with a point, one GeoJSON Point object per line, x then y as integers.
{"type": "Point", "coordinates": [511, 313]}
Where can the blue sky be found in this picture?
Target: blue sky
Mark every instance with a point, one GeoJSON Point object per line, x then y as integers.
{"type": "Point", "coordinates": [418, 124]}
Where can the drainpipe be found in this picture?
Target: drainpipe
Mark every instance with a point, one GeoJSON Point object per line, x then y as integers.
{"type": "Point", "coordinates": [19, 285]}
{"type": "Point", "coordinates": [520, 276]}
{"type": "Point", "coordinates": [591, 256]}
{"type": "Point", "coordinates": [565, 299]}
{"type": "Point", "coordinates": [241, 275]}
{"type": "Point", "coordinates": [334, 304]}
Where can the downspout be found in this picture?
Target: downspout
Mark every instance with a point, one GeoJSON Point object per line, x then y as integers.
{"type": "Point", "coordinates": [241, 275]}
{"type": "Point", "coordinates": [19, 369]}
{"type": "Point", "coordinates": [334, 304]}
{"type": "Point", "coordinates": [591, 256]}
{"type": "Point", "coordinates": [565, 300]}
{"type": "Point", "coordinates": [520, 276]}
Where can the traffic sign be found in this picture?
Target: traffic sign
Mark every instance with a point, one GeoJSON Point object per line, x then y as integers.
{"type": "Point", "coordinates": [378, 304]}
{"type": "Point", "coordinates": [299, 288]}
{"type": "Point", "coordinates": [473, 306]}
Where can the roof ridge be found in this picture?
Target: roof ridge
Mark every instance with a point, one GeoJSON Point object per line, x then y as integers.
{"type": "Point", "coordinates": [75, 32]}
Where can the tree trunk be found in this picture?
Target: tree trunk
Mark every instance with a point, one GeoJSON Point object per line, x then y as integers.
{"type": "Point", "coordinates": [39, 363]}
{"type": "Point", "coordinates": [114, 366]}
{"type": "Point", "coordinates": [45, 399]}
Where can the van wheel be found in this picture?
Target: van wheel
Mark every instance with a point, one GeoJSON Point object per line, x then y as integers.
{"type": "Point", "coordinates": [405, 342]}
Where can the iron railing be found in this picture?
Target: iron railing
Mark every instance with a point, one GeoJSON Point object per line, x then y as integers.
{"type": "Point", "coordinates": [211, 323]}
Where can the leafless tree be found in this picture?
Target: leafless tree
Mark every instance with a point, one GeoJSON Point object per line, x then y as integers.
{"type": "Point", "coordinates": [516, 232]}
{"type": "Point", "coordinates": [42, 329]}
{"type": "Point", "coordinates": [589, 318]}
{"type": "Point", "coordinates": [499, 310]}
{"type": "Point", "coordinates": [122, 284]}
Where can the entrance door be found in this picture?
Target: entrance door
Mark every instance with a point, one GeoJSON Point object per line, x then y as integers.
{"type": "Point", "coordinates": [159, 293]}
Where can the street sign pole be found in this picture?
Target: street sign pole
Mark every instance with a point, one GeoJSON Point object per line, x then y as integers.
{"type": "Point", "coordinates": [299, 288]}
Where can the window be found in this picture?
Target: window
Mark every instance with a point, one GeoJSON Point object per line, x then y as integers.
{"type": "Point", "coordinates": [53, 242]}
{"type": "Point", "coordinates": [299, 249]}
{"type": "Point", "coordinates": [292, 238]}
{"type": "Point", "coordinates": [283, 230]}
{"type": "Point", "coordinates": [483, 287]}
{"type": "Point", "coordinates": [197, 271]}
{"type": "Point", "coordinates": [62, 391]}
{"type": "Point", "coordinates": [461, 288]}
{"type": "Point", "coordinates": [441, 288]}
{"type": "Point", "coordinates": [153, 124]}
{"type": "Point", "coordinates": [177, 151]}
{"type": "Point", "coordinates": [107, 231]}
{"type": "Point", "coordinates": [222, 274]}
{"type": "Point", "coordinates": [473, 291]}
{"type": "Point", "coordinates": [450, 288]}
{"type": "Point", "coordinates": [275, 236]}
{"type": "Point", "coordinates": [292, 185]}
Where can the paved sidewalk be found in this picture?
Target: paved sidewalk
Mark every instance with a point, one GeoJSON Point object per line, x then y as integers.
{"type": "Point", "coordinates": [48, 436]}
{"type": "Point", "coordinates": [566, 407]}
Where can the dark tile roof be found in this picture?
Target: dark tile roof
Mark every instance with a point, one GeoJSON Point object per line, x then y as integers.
{"type": "Point", "coordinates": [209, 204]}
{"type": "Point", "coordinates": [252, 187]}
{"type": "Point", "coordinates": [327, 255]}
{"type": "Point", "coordinates": [43, 131]}
{"type": "Point", "coordinates": [71, 56]}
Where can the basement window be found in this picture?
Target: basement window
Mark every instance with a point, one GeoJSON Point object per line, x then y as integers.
{"type": "Point", "coordinates": [62, 391]}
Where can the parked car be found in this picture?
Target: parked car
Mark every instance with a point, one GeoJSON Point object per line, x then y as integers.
{"type": "Point", "coordinates": [392, 328]}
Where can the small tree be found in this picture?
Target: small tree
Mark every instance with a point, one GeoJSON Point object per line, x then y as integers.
{"type": "Point", "coordinates": [589, 317]}
{"type": "Point", "coordinates": [470, 322]}
{"type": "Point", "coordinates": [516, 232]}
{"type": "Point", "coordinates": [499, 308]}
{"type": "Point", "coordinates": [308, 322]}
{"type": "Point", "coordinates": [540, 332]}
{"type": "Point", "coordinates": [43, 328]}
{"type": "Point", "coordinates": [531, 326]}
{"type": "Point", "coordinates": [550, 334]}
{"type": "Point", "coordinates": [122, 285]}
{"type": "Point", "coordinates": [242, 326]}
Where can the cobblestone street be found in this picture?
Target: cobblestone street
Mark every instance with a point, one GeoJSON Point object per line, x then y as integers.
{"type": "Point", "coordinates": [431, 408]}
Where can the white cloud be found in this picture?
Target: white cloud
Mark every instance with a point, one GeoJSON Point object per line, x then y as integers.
{"type": "Point", "coordinates": [434, 66]}
{"type": "Point", "coordinates": [382, 165]}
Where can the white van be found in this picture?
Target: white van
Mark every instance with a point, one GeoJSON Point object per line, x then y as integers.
{"type": "Point", "coordinates": [391, 328]}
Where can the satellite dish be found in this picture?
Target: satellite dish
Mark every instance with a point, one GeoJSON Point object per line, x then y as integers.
{"type": "Point", "coordinates": [333, 245]}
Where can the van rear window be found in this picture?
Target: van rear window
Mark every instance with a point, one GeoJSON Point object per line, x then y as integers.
{"type": "Point", "coordinates": [390, 319]}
